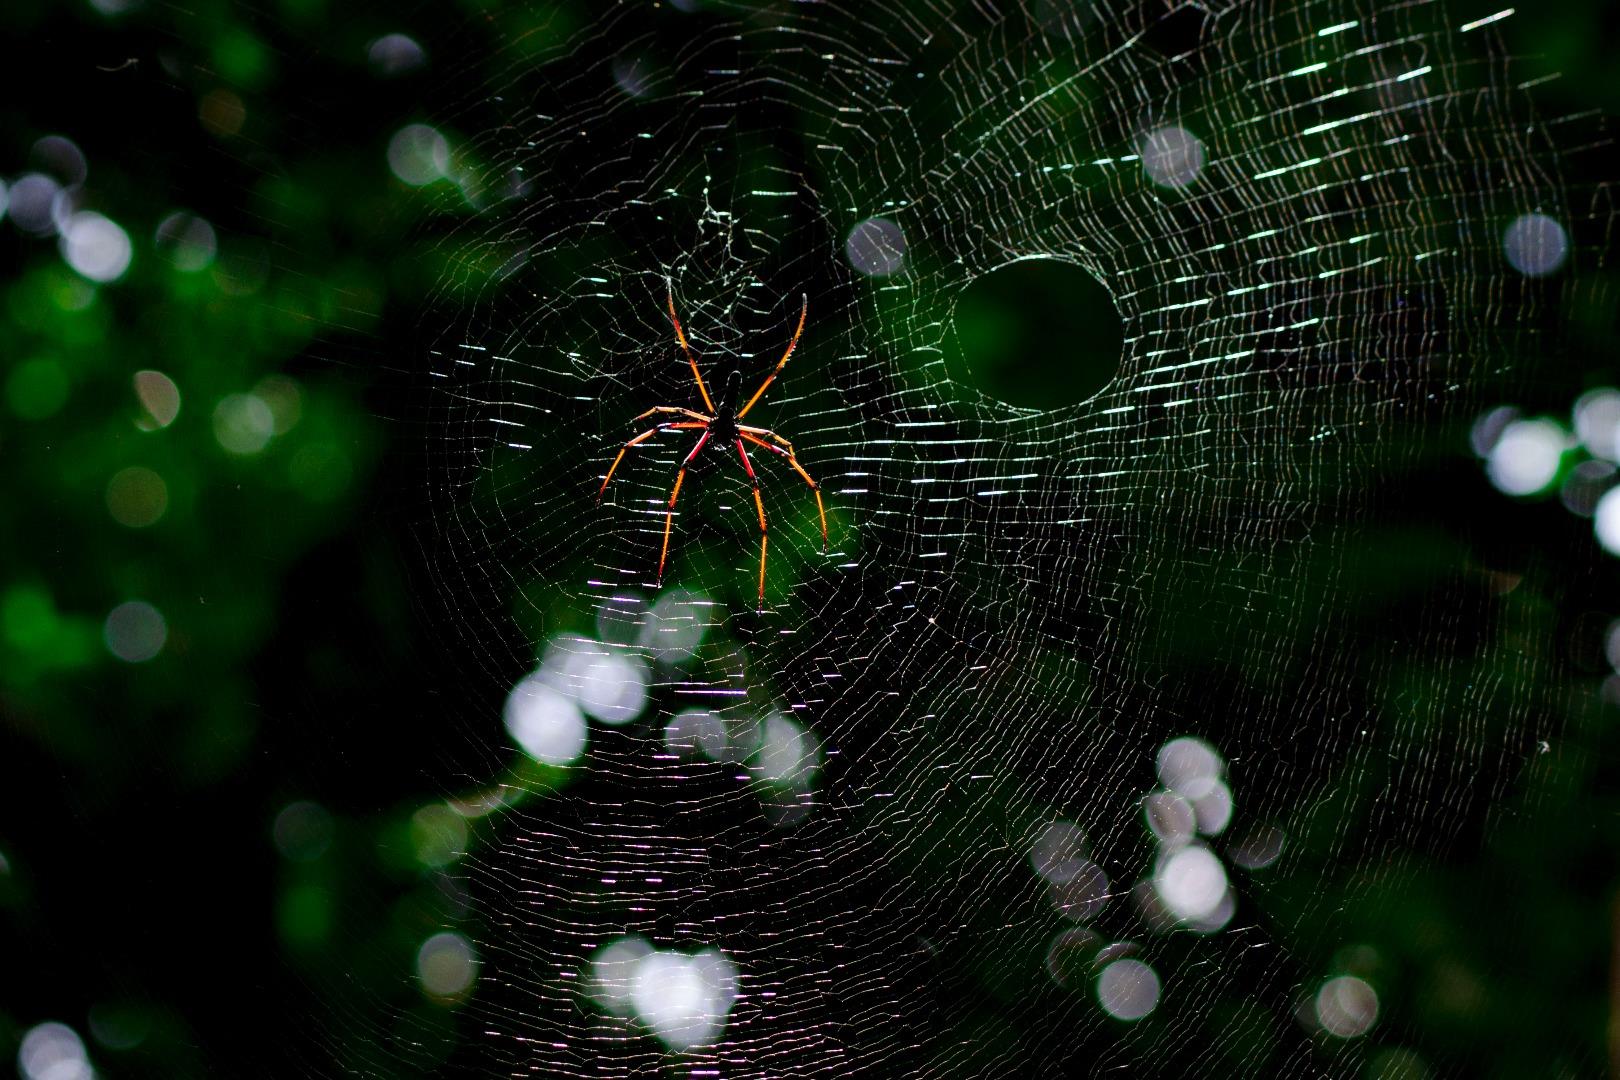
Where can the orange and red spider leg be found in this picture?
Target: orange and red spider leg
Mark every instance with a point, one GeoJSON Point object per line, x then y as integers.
{"type": "Point", "coordinates": [804, 309]}
{"type": "Point", "coordinates": [669, 518]}
{"type": "Point", "coordinates": [767, 433]}
{"type": "Point", "coordinates": [643, 437]}
{"type": "Point", "coordinates": [688, 413]}
{"type": "Point", "coordinates": [821, 508]}
{"type": "Point", "coordinates": [760, 506]}
{"type": "Point", "coordinates": [680, 335]}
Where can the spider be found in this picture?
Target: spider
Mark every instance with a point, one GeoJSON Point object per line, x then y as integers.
{"type": "Point", "coordinates": [721, 430]}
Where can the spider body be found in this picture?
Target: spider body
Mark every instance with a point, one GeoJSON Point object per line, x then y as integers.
{"type": "Point", "coordinates": [722, 428]}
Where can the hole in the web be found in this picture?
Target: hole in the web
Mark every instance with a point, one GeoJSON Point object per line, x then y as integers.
{"type": "Point", "coordinates": [1179, 32]}
{"type": "Point", "coordinates": [1037, 333]}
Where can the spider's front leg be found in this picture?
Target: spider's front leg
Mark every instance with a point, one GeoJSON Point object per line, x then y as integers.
{"type": "Point", "coordinates": [767, 433]}
{"type": "Point", "coordinates": [757, 440]}
{"type": "Point", "coordinates": [690, 413]}
{"type": "Point", "coordinates": [643, 437]}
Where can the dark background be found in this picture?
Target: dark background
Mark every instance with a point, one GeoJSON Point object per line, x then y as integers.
{"type": "Point", "coordinates": [144, 898]}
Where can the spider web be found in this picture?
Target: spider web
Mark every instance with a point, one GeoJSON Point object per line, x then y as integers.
{"type": "Point", "coordinates": [894, 823]}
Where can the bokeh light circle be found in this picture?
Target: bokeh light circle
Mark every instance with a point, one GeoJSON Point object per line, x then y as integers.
{"type": "Point", "coordinates": [96, 246]}
{"type": "Point", "coordinates": [1346, 1007]}
{"type": "Point", "coordinates": [1606, 521]}
{"type": "Point", "coordinates": [137, 497]}
{"type": "Point", "coordinates": [546, 723]}
{"type": "Point", "coordinates": [1128, 989]}
{"type": "Point", "coordinates": [135, 632]}
{"type": "Point", "coordinates": [1172, 157]}
{"type": "Point", "coordinates": [876, 247]}
{"type": "Point", "coordinates": [1526, 456]}
{"type": "Point", "coordinates": [1536, 245]}
{"type": "Point", "coordinates": [419, 155]}
{"type": "Point", "coordinates": [53, 1051]}
{"type": "Point", "coordinates": [446, 965]}
{"type": "Point", "coordinates": [1191, 882]}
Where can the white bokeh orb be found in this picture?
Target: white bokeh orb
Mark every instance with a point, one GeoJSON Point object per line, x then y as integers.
{"type": "Point", "coordinates": [786, 754]}
{"type": "Point", "coordinates": [545, 723]}
{"type": "Point", "coordinates": [610, 687]}
{"type": "Point", "coordinates": [1170, 817]}
{"type": "Point", "coordinates": [419, 155]}
{"type": "Point", "coordinates": [395, 54]}
{"type": "Point", "coordinates": [1346, 1006]}
{"type": "Point", "coordinates": [1489, 427]}
{"type": "Point", "coordinates": [876, 247]}
{"type": "Point", "coordinates": [1189, 766]}
{"type": "Point", "coordinates": [1190, 882]}
{"type": "Point", "coordinates": [1606, 521]}
{"type": "Point", "coordinates": [32, 202]}
{"type": "Point", "coordinates": [1172, 157]}
{"type": "Point", "coordinates": [675, 627]}
{"type": "Point", "coordinates": [1213, 809]}
{"type": "Point", "coordinates": [1128, 989]}
{"type": "Point", "coordinates": [613, 973]}
{"type": "Point", "coordinates": [684, 999]}
{"type": "Point", "coordinates": [1596, 415]}
{"type": "Point", "coordinates": [1535, 245]}
{"type": "Point", "coordinates": [1527, 456]}
{"type": "Point", "coordinates": [243, 424]}
{"type": "Point", "coordinates": [53, 1051]}
{"type": "Point", "coordinates": [135, 632]}
{"type": "Point", "coordinates": [97, 247]}
{"type": "Point", "coordinates": [445, 965]}
{"type": "Point", "coordinates": [1611, 644]}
